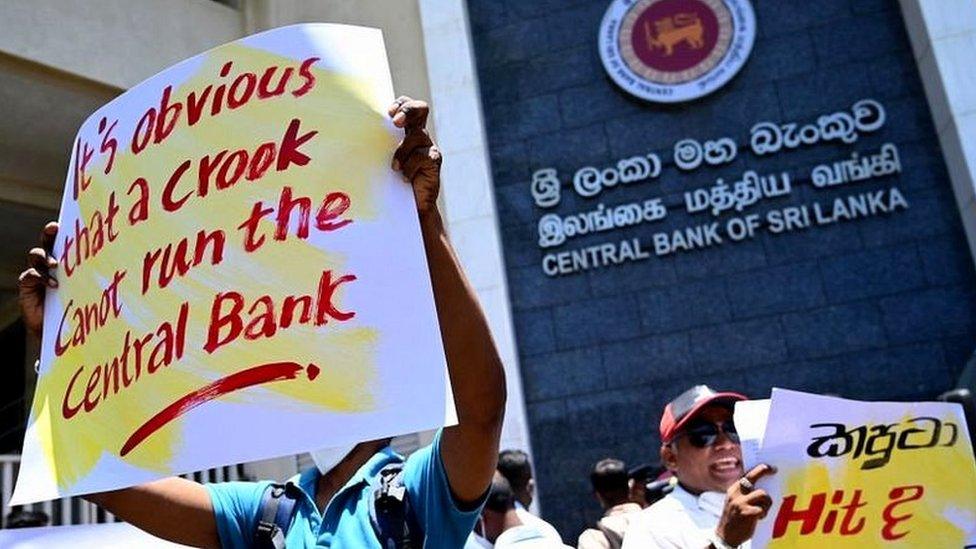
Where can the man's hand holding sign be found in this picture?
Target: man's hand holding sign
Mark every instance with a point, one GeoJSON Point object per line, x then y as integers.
{"type": "Point", "coordinates": [745, 506]}
{"type": "Point", "coordinates": [444, 481]}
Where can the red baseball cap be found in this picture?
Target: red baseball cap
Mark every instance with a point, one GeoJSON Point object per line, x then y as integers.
{"type": "Point", "coordinates": [681, 410]}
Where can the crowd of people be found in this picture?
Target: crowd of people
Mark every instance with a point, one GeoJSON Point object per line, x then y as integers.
{"type": "Point", "coordinates": [458, 491]}
{"type": "Point", "coordinates": [698, 496]}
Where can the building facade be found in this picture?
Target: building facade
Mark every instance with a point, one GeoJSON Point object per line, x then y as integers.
{"type": "Point", "coordinates": [807, 221]}
{"type": "Point", "coordinates": [638, 261]}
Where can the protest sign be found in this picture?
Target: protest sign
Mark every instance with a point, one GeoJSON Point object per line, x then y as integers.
{"type": "Point", "coordinates": [866, 474]}
{"type": "Point", "coordinates": [750, 419]}
{"type": "Point", "coordinates": [241, 273]}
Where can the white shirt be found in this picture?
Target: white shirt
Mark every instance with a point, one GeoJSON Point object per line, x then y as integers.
{"type": "Point", "coordinates": [534, 532]}
{"type": "Point", "coordinates": [528, 519]}
{"type": "Point", "coordinates": [679, 521]}
{"type": "Point", "coordinates": [475, 541]}
{"type": "Point", "coordinates": [526, 536]}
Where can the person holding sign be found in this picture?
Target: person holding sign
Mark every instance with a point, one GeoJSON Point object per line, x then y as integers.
{"type": "Point", "coordinates": [713, 505]}
{"type": "Point", "coordinates": [445, 483]}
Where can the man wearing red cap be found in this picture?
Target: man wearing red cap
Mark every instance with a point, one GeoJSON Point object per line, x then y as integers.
{"type": "Point", "coordinates": [714, 504]}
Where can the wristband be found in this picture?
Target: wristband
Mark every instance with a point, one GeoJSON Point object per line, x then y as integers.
{"type": "Point", "coordinates": [720, 543]}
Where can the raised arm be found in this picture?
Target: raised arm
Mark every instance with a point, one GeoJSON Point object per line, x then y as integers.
{"type": "Point", "coordinates": [174, 509]}
{"type": "Point", "coordinates": [470, 449]}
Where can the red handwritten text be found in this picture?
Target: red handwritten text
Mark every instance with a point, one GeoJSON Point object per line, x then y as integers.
{"type": "Point", "coordinates": [814, 520]}
{"type": "Point", "coordinates": [809, 518]}
{"type": "Point", "coordinates": [109, 143]}
{"type": "Point", "coordinates": [169, 262]}
{"type": "Point", "coordinates": [224, 169]}
{"type": "Point", "coordinates": [79, 177]}
{"type": "Point", "coordinates": [87, 241]}
{"type": "Point", "coordinates": [89, 318]}
{"type": "Point", "coordinates": [168, 343]}
{"type": "Point", "coordinates": [158, 122]}
{"type": "Point", "coordinates": [262, 320]}
{"type": "Point", "coordinates": [897, 497]}
{"type": "Point", "coordinates": [327, 217]}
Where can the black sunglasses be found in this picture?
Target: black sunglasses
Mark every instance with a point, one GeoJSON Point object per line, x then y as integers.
{"type": "Point", "coordinates": [705, 434]}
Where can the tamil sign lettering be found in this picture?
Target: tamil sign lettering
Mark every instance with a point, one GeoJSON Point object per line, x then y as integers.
{"type": "Point", "coordinates": [721, 212]}
{"type": "Point", "coordinates": [241, 274]}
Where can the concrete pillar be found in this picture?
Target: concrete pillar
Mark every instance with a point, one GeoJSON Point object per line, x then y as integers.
{"type": "Point", "coordinates": [469, 198]}
{"type": "Point", "coordinates": [943, 36]}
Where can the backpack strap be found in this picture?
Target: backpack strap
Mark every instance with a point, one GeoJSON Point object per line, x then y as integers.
{"type": "Point", "coordinates": [275, 515]}
{"type": "Point", "coordinates": [614, 538]}
{"type": "Point", "coordinates": [390, 513]}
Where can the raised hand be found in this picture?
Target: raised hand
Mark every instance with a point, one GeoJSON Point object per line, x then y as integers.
{"type": "Point", "coordinates": [417, 157]}
{"type": "Point", "coordinates": [33, 282]}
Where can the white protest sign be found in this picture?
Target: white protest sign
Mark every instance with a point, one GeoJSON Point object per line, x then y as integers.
{"type": "Point", "coordinates": [866, 474]}
{"type": "Point", "coordinates": [750, 423]}
{"type": "Point", "coordinates": [241, 273]}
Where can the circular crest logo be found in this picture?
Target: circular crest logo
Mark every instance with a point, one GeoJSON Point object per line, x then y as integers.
{"type": "Point", "coordinates": [675, 50]}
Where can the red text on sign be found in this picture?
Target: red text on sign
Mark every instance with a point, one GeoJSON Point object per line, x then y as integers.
{"type": "Point", "coordinates": [87, 241]}
{"type": "Point", "coordinates": [224, 169]}
{"type": "Point", "coordinates": [80, 178]}
{"type": "Point", "coordinates": [228, 321]}
{"type": "Point", "coordinates": [154, 350]}
{"type": "Point", "coordinates": [821, 516]}
{"type": "Point", "coordinates": [170, 262]}
{"type": "Point", "coordinates": [158, 122]}
{"type": "Point", "coordinates": [897, 496]}
{"type": "Point", "coordinates": [109, 144]}
{"type": "Point", "coordinates": [328, 217]}
{"type": "Point", "coordinates": [809, 518]}
{"type": "Point", "coordinates": [88, 318]}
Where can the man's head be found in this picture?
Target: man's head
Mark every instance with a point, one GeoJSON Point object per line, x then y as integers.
{"type": "Point", "coordinates": [648, 483]}
{"type": "Point", "coordinates": [698, 440]}
{"type": "Point", "coordinates": [609, 480]}
{"type": "Point", "coordinates": [501, 501]}
{"type": "Point", "coordinates": [515, 467]}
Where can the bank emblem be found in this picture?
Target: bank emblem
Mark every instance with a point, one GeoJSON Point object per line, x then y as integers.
{"type": "Point", "coordinates": [675, 50]}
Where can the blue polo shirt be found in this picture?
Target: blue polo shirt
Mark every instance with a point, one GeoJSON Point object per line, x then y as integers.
{"type": "Point", "coordinates": [345, 523]}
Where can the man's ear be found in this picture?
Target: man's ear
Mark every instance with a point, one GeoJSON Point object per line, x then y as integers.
{"type": "Point", "coordinates": [530, 487]}
{"type": "Point", "coordinates": [668, 457]}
